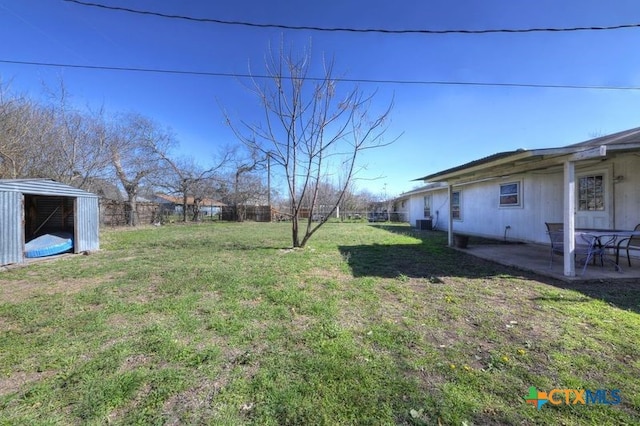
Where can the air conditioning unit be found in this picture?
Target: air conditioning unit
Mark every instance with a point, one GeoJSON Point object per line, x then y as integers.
{"type": "Point", "coordinates": [424, 224]}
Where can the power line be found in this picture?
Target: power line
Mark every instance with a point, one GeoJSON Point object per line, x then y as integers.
{"type": "Point", "coordinates": [346, 80]}
{"type": "Point", "coordinates": [352, 30]}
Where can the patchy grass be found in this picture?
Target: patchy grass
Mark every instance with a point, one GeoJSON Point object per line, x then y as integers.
{"type": "Point", "coordinates": [224, 324]}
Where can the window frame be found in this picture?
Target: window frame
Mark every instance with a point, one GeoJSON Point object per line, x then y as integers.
{"type": "Point", "coordinates": [426, 211]}
{"type": "Point", "coordinates": [591, 196]}
{"type": "Point", "coordinates": [518, 195]}
{"type": "Point", "coordinates": [458, 204]}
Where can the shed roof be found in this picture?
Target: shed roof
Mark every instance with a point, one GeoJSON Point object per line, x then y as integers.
{"type": "Point", "coordinates": [42, 187]}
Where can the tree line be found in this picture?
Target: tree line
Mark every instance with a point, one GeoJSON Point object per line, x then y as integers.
{"type": "Point", "coordinates": [54, 139]}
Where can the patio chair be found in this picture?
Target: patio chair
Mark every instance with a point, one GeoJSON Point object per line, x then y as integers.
{"type": "Point", "coordinates": [554, 226]}
{"type": "Point", "coordinates": [632, 243]}
{"type": "Point", "coordinates": [557, 244]}
{"type": "Point", "coordinates": [556, 237]}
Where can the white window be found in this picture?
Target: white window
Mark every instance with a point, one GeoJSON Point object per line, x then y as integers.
{"type": "Point", "coordinates": [456, 212]}
{"type": "Point", "coordinates": [591, 193]}
{"type": "Point", "coordinates": [427, 206]}
{"type": "Point", "coordinates": [510, 194]}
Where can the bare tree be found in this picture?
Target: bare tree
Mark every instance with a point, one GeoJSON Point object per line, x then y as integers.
{"type": "Point", "coordinates": [188, 179]}
{"type": "Point", "coordinates": [312, 131]}
{"type": "Point", "coordinates": [52, 141]}
{"type": "Point", "coordinates": [69, 145]}
{"type": "Point", "coordinates": [16, 114]}
{"type": "Point", "coordinates": [26, 130]}
{"type": "Point", "coordinates": [134, 144]}
{"type": "Point", "coordinates": [247, 187]}
{"type": "Point", "coordinates": [326, 198]}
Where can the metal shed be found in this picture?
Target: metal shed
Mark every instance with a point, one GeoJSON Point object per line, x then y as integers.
{"type": "Point", "coordinates": [33, 207]}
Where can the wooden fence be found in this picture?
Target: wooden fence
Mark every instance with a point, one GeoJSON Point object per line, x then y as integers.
{"type": "Point", "coordinates": [116, 213]}
{"type": "Point", "coordinates": [252, 213]}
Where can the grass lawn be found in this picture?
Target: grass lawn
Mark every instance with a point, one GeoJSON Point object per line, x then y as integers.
{"type": "Point", "coordinates": [224, 324]}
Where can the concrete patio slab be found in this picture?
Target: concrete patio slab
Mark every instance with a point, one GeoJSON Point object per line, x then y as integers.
{"type": "Point", "coordinates": [536, 258]}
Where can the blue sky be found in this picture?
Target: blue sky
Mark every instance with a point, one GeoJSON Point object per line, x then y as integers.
{"type": "Point", "coordinates": [441, 125]}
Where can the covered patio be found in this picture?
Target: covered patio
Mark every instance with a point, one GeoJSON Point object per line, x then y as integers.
{"type": "Point", "coordinates": [590, 185]}
{"type": "Point", "coordinates": [535, 258]}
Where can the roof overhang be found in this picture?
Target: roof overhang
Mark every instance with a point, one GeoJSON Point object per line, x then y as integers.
{"type": "Point", "coordinates": [437, 186]}
{"type": "Point", "coordinates": [510, 163]}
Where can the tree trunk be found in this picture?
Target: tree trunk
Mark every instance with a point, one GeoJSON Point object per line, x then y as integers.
{"type": "Point", "coordinates": [131, 212]}
{"type": "Point", "coordinates": [295, 230]}
{"type": "Point", "coordinates": [300, 132]}
{"type": "Point", "coordinates": [184, 206]}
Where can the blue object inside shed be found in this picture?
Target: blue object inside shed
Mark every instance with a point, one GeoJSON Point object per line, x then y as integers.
{"type": "Point", "coordinates": [49, 244]}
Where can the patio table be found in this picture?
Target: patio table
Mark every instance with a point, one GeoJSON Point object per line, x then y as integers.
{"type": "Point", "coordinates": [612, 238]}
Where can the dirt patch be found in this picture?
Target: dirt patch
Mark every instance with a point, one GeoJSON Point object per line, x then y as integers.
{"type": "Point", "coordinates": [134, 362]}
{"type": "Point", "coordinates": [7, 326]}
{"type": "Point", "coordinates": [318, 274]}
{"type": "Point", "coordinates": [18, 379]}
{"type": "Point", "coordinates": [21, 290]}
{"type": "Point", "coordinates": [197, 405]}
{"type": "Point", "coordinates": [194, 405]}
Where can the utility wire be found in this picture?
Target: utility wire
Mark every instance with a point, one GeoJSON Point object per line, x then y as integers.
{"type": "Point", "coordinates": [347, 80]}
{"type": "Point", "coordinates": [352, 30]}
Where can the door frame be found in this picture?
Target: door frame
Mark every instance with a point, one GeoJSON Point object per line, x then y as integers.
{"type": "Point", "coordinates": [607, 173]}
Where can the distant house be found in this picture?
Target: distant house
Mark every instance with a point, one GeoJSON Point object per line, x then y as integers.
{"type": "Point", "coordinates": [104, 189]}
{"type": "Point", "coordinates": [592, 184]}
{"type": "Point", "coordinates": [174, 205]}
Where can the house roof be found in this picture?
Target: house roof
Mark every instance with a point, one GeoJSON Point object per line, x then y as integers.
{"type": "Point", "coordinates": [423, 189]}
{"type": "Point", "coordinates": [505, 163]}
{"type": "Point", "coordinates": [190, 200]}
{"type": "Point", "coordinates": [627, 137]}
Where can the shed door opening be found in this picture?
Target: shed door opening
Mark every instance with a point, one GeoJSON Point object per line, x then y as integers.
{"type": "Point", "coordinates": [48, 214]}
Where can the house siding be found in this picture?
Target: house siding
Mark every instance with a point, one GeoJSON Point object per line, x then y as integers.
{"type": "Point", "coordinates": [542, 201]}
{"type": "Point", "coordinates": [481, 214]}
{"type": "Point", "coordinates": [439, 208]}
{"type": "Point", "coordinates": [627, 191]}
{"type": "Point", "coordinates": [415, 209]}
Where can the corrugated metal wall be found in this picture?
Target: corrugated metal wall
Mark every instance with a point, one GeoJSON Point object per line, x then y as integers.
{"type": "Point", "coordinates": [11, 229]}
{"type": "Point", "coordinates": [71, 209]}
{"type": "Point", "coordinates": [87, 224]}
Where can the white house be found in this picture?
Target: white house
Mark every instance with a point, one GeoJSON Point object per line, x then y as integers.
{"type": "Point", "coordinates": [592, 184]}
{"type": "Point", "coordinates": [428, 203]}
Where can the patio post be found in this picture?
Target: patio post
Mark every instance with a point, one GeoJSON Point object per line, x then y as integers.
{"type": "Point", "coordinates": [450, 220]}
{"type": "Point", "coordinates": [569, 218]}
